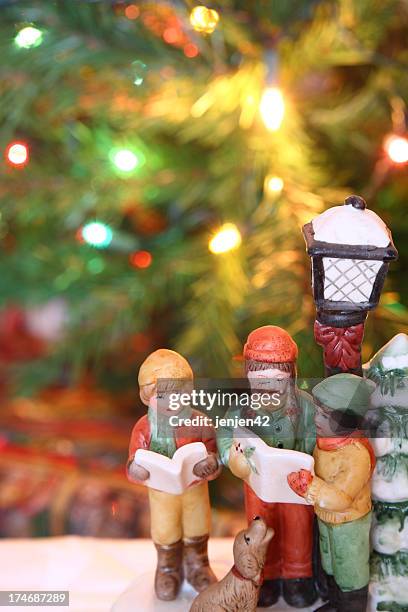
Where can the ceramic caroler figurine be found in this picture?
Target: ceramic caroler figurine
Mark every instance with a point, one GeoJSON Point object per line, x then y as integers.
{"type": "Point", "coordinates": [340, 488]}
{"type": "Point", "coordinates": [388, 421]}
{"type": "Point", "coordinates": [270, 361]}
{"type": "Point", "coordinates": [180, 523]}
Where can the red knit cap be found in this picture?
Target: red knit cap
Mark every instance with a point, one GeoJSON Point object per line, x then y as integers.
{"type": "Point", "coordinates": [270, 344]}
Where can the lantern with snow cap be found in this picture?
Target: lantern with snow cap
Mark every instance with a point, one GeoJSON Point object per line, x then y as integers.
{"type": "Point", "coordinates": [350, 248]}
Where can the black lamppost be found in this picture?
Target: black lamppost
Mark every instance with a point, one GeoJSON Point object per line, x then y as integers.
{"type": "Point", "coordinates": [350, 249]}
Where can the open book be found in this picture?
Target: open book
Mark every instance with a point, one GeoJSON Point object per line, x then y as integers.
{"type": "Point", "coordinates": [172, 475]}
{"type": "Point", "coordinates": [270, 467]}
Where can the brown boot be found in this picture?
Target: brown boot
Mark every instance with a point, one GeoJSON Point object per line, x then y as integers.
{"type": "Point", "coordinates": [353, 601]}
{"type": "Point", "coordinates": [198, 571]}
{"type": "Point", "coordinates": [169, 571]}
{"type": "Point", "coordinates": [333, 590]}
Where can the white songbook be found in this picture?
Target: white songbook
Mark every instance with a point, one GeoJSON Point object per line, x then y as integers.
{"type": "Point", "coordinates": [172, 475]}
{"type": "Point", "coordinates": [270, 467]}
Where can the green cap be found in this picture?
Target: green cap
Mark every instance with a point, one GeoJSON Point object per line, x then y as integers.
{"type": "Point", "coordinates": [345, 392]}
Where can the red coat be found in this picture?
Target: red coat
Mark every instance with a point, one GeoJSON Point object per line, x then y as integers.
{"type": "Point", "coordinates": [183, 434]}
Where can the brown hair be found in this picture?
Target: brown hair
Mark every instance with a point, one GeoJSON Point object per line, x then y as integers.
{"type": "Point", "coordinates": [181, 385]}
{"type": "Point", "coordinates": [258, 366]}
{"type": "Point", "coordinates": [165, 385]}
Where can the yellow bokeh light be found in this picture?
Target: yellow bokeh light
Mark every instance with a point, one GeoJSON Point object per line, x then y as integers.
{"type": "Point", "coordinates": [204, 19]}
{"type": "Point", "coordinates": [227, 238]}
{"type": "Point", "coordinates": [272, 108]}
{"type": "Point", "coordinates": [273, 184]}
{"type": "Point", "coordinates": [396, 148]}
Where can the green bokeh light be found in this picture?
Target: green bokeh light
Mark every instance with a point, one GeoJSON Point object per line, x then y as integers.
{"type": "Point", "coordinates": [139, 71]}
{"type": "Point", "coordinates": [29, 37]}
{"type": "Point", "coordinates": [97, 234]}
{"type": "Point", "coordinates": [96, 265]}
{"type": "Point", "coordinates": [126, 160]}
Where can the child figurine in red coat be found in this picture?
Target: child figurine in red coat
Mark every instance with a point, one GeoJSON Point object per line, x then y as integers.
{"type": "Point", "coordinates": [270, 361]}
{"type": "Point", "coordinates": [180, 524]}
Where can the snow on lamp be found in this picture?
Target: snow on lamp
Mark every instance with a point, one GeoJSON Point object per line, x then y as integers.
{"type": "Point", "coordinates": [350, 249]}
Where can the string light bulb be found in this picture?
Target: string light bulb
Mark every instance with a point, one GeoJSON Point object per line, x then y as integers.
{"type": "Point", "coordinates": [141, 259]}
{"type": "Point", "coordinates": [272, 108]}
{"type": "Point", "coordinates": [97, 234]}
{"type": "Point", "coordinates": [139, 72]}
{"type": "Point", "coordinates": [132, 11]}
{"type": "Point", "coordinates": [126, 160]}
{"type": "Point", "coordinates": [226, 239]}
{"type": "Point", "coordinates": [204, 19]}
{"type": "Point", "coordinates": [396, 148]}
{"type": "Point", "coordinates": [273, 185]}
{"type": "Point", "coordinates": [28, 37]}
{"type": "Point", "coordinates": [17, 154]}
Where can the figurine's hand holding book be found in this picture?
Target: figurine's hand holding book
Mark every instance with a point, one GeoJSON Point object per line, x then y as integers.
{"type": "Point", "coordinates": [188, 466]}
{"type": "Point", "coordinates": [208, 468]}
{"type": "Point", "coordinates": [238, 462]}
{"type": "Point", "coordinates": [265, 468]}
{"type": "Point", "coordinates": [137, 473]}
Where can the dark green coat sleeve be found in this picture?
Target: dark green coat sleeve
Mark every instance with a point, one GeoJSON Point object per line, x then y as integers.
{"type": "Point", "coordinates": [306, 431]}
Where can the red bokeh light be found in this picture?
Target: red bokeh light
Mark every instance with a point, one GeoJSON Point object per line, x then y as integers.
{"type": "Point", "coordinates": [396, 148]}
{"type": "Point", "coordinates": [171, 35]}
{"type": "Point", "coordinates": [141, 259]}
{"type": "Point", "coordinates": [17, 154]}
{"type": "Point", "coordinates": [132, 11]}
{"type": "Point", "coordinates": [141, 342]}
{"type": "Point", "coordinates": [79, 236]}
{"type": "Point", "coordinates": [190, 50]}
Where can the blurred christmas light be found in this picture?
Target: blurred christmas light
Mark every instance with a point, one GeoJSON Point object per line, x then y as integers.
{"type": "Point", "coordinates": [132, 11]}
{"type": "Point", "coordinates": [28, 37]}
{"type": "Point", "coordinates": [190, 50]}
{"type": "Point", "coordinates": [204, 19]}
{"type": "Point", "coordinates": [97, 234]}
{"type": "Point", "coordinates": [141, 259]}
{"type": "Point", "coordinates": [96, 265]}
{"type": "Point", "coordinates": [272, 108]}
{"type": "Point", "coordinates": [273, 184]}
{"type": "Point", "coordinates": [17, 154]}
{"type": "Point", "coordinates": [171, 35]}
{"type": "Point", "coordinates": [226, 239]}
{"type": "Point", "coordinates": [125, 160]}
{"type": "Point", "coordinates": [139, 70]}
{"type": "Point", "coordinates": [396, 148]}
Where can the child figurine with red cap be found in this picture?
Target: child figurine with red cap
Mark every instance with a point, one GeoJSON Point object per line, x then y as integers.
{"type": "Point", "coordinates": [270, 362]}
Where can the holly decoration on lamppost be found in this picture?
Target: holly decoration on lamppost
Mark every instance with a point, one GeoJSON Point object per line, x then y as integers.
{"type": "Point", "coordinates": [350, 249]}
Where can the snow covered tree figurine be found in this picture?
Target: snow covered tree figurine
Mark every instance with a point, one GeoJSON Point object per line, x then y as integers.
{"type": "Point", "coordinates": [389, 421]}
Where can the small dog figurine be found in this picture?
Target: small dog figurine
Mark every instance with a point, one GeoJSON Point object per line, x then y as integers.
{"type": "Point", "coordinates": [238, 591]}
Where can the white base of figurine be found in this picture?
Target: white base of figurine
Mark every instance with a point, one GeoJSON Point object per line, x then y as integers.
{"type": "Point", "coordinates": [395, 588]}
{"type": "Point", "coordinates": [140, 596]}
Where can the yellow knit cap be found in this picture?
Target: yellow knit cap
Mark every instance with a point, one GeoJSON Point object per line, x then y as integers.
{"type": "Point", "coordinates": [164, 364]}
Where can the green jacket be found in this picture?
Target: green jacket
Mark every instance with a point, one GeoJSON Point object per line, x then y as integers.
{"type": "Point", "coordinates": [289, 426]}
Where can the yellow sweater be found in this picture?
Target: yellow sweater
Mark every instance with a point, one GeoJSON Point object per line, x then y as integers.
{"type": "Point", "coordinates": [340, 490]}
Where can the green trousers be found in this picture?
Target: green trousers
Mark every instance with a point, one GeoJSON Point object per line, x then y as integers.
{"type": "Point", "coordinates": [345, 551]}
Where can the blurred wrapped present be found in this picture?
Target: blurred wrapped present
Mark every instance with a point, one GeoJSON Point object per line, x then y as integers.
{"type": "Point", "coordinates": [43, 493]}
{"type": "Point", "coordinates": [62, 468]}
